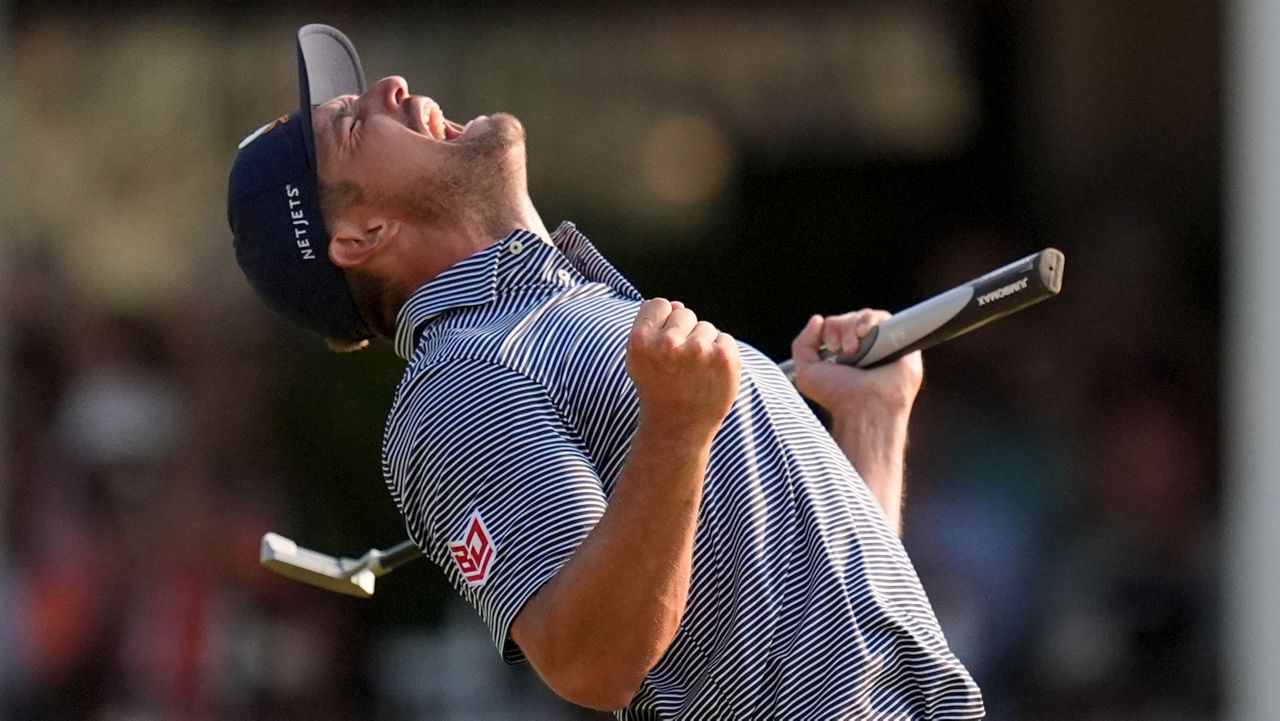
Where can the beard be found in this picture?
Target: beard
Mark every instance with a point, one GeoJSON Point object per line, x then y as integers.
{"type": "Point", "coordinates": [482, 186]}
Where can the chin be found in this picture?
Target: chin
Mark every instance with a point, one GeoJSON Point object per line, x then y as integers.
{"type": "Point", "coordinates": [505, 146]}
{"type": "Point", "coordinates": [495, 186]}
{"type": "Point", "coordinates": [506, 139]}
{"type": "Point", "coordinates": [508, 126]}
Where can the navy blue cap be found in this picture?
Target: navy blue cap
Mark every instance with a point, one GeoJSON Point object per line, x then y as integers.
{"type": "Point", "coordinates": [273, 199]}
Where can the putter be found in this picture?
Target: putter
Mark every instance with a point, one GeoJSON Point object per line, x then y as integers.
{"type": "Point", "coordinates": [352, 576]}
{"type": "Point", "coordinates": [967, 307]}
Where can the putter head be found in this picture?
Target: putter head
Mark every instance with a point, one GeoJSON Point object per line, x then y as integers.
{"type": "Point", "coordinates": [341, 575]}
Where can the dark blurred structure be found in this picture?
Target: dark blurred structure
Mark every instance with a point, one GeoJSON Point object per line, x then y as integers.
{"type": "Point", "coordinates": [760, 164]}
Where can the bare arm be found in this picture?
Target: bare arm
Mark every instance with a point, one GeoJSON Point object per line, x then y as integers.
{"type": "Point", "coordinates": [605, 619]}
{"type": "Point", "coordinates": [869, 408]}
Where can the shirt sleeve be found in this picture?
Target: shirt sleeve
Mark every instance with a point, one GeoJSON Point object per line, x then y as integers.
{"type": "Point", "coordinates": [495, 487]}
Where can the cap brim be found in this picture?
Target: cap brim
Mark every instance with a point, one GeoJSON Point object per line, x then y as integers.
{"type": "Point", "coordinates": [328, 66]}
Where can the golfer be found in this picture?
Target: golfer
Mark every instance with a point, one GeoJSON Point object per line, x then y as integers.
{"type": "Point", "coordinates": [636, 503]}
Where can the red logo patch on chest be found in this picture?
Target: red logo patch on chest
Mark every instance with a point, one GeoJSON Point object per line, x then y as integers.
{"type": "Point", "coordinates": [474, 554]}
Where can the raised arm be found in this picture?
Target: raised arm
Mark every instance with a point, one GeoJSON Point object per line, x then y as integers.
{"type": "Point", "coordinates": [605, 619]}
{"type": "Point", "coordinates": [869, 408]}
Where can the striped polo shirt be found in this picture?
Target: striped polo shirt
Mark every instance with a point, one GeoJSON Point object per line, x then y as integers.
{"type": "Point", "coordinates": [508, 433]}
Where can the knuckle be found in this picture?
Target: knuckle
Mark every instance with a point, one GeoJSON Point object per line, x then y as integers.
{"type": "Point", "coordinates": [699, 349]}
{"type": "Point", "coordinates": [658, 306]}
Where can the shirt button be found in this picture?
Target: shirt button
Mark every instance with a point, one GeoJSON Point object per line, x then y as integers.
{"type": "Point", "coordinates": [564, 276]}
{"type": "Point", "coordinates": [516, 246]}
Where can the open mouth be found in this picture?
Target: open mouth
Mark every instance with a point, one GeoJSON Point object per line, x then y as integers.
{"type": "Point", "coordinates": [426, 118]}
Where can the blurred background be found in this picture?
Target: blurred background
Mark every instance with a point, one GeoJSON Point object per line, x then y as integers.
{"type": "Point", "coordinates": [759, 162]}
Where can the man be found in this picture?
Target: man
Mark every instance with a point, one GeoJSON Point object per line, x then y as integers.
{"type": "Point", "coordinates": [639, 505]}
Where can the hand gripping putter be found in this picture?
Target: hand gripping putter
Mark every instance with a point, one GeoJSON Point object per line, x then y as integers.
{"type": "Point", "coordinates": [966, 307]}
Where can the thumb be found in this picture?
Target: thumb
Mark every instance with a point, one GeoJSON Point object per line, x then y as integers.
{"type": "Point", "coordinates": [805, 346]}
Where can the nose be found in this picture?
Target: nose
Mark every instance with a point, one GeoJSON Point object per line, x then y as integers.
{"type": "Point", "coordinates": [390, 92]}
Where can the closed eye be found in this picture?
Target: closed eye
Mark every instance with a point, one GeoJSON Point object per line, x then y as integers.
{"type": "Point", "coordinates": [344, 112]}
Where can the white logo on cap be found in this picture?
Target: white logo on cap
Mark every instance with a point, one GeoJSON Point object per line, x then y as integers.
{"type": "Point", "coordinates": [264, 129]}
{"type": "Point", "coordinates": [300, 223]}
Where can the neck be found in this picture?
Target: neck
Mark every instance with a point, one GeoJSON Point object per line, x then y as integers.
{"type": "Point", "coordinates": [431, 252]}
{"type": "Point", "coordinates": [489, 226]}
{"type": "Point", "coordinates": [530, 220]}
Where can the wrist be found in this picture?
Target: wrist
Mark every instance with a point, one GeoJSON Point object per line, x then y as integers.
{"type": "Point", "coordinates": [883, 406]}
{"type": "Point", "coordinates": [875, 440]}
{"type": "Point", "coordinates": [883, 423]}
{"type": "Point", "coordinates": [670, 428]}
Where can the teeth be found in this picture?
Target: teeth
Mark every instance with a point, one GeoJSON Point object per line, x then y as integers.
{"type": "Point", "coordinates": [437, 122]}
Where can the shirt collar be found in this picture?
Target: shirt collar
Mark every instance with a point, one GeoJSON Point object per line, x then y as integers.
{"type": "Point", "coordinates": [475, 280]}
{"type": "Point", "coordinates": [472, 281]}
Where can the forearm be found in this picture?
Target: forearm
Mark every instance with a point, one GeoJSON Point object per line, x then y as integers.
{"type": "Point", "coordinates": [875, 442]}
{"type": "Point", "coordinates": [596, 628]}
{"type": "Point", "coordinates": [869, 408]}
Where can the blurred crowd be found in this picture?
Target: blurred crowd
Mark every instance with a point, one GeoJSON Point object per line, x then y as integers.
{"type": "Point", "coordinates": [1063, 495]}
{"type": "Point", "coordinates": [139, 481]}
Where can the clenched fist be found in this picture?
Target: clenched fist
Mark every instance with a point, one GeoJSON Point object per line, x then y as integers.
{"type": "Point", "coordinates": [686, 372]}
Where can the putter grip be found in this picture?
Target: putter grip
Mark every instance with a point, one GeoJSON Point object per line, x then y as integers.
{"type": "Point", "coordinates": [964, 308]}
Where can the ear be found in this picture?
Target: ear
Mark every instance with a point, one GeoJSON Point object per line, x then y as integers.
{"type": "Point", "coordinates": [355, 241]}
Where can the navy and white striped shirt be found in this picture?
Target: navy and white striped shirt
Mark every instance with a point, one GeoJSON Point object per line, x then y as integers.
{"type": "Point", "coordinates": [504, 442]}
